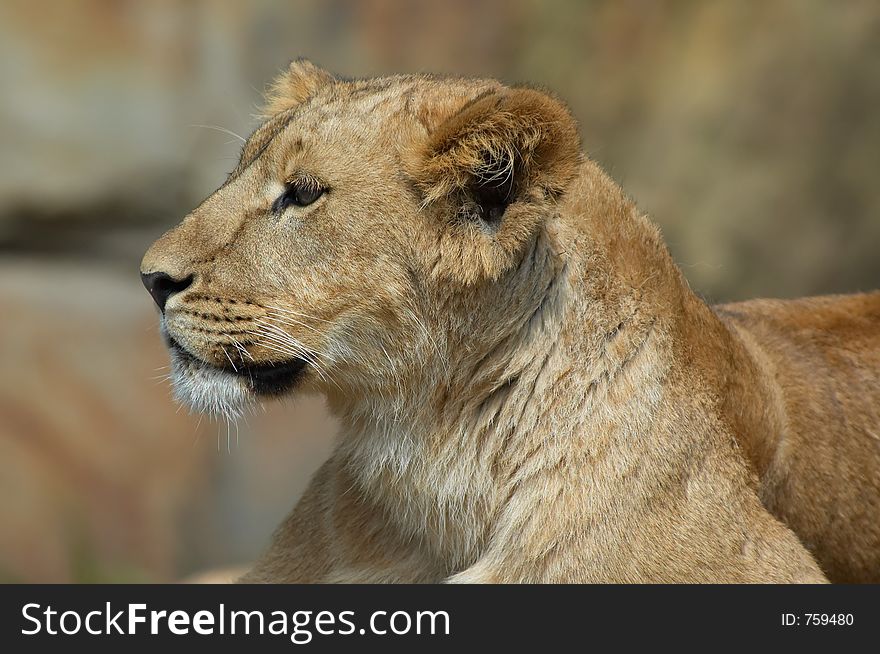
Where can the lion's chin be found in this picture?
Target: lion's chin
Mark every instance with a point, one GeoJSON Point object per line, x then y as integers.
{"type": "Point", "coordinates": [209, 390]}
{"type": "Point", "coordinates": [228, 393]}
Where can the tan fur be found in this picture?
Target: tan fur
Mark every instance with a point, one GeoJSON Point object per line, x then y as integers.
{"type": "Point", "coordinates": [528, 393]}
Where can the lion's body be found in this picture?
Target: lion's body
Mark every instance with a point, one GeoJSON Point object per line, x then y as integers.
{"type": "Point", "coordinates": [528, 390]}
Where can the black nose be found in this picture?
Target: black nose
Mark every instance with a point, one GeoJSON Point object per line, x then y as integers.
{"type": "Point", "coordinates": [162, 286]}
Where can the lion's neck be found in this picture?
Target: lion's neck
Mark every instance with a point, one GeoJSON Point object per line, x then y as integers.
{"type": "Point", "coordinates": [582, 370]}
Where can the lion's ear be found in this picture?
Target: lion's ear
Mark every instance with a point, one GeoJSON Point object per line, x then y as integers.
{"type": "Point", "coordinates": [301, 80]}
{"type": "Point", "coordinates": [503, 146]}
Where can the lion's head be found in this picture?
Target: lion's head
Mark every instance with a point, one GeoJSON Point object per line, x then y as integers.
{"type": "Point", "coordinates": [374, 235]}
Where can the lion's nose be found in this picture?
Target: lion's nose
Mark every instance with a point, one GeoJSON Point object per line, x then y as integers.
{"type": "Point", "coordinates": [162, 286]}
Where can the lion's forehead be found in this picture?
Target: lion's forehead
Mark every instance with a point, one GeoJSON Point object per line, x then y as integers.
{"type": "Point", "coordinates": [354, 101]}
{"type": "Point", "coordinates": [365, 97]}
{"type": "Point", "coordinates": [378, 104]}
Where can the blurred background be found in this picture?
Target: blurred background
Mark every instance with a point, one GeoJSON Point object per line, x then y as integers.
{"type": "Point", "coordinates": [750, 131]}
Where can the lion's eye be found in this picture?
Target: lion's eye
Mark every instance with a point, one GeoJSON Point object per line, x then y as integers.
{"type": "Point", "coordinates": [298, 193]}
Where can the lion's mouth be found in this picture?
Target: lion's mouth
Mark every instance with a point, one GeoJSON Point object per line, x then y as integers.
{"type": "Point", "coordinates": [264, 379]}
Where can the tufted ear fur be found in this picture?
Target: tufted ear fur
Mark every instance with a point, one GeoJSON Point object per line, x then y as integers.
{"type": "Point", "coordinates": [300, 81]}
{"type": "Point", "coordinates": [504, 146]}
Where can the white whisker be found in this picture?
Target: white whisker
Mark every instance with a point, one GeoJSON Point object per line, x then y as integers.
{"type": "Point", "coordinates": [241, 349]}
{"type": "Point", "coordinates": [297, 313]}
{"type": "Point", "coordinates": [224, 130]}
{"type": "Point", "coordinates": [293, 322]}
{"type": "Point", "coordinates": [229, 358]}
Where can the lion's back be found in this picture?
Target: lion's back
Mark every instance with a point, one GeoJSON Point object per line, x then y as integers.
{"type": "Point", "coordinates": [824, 481]}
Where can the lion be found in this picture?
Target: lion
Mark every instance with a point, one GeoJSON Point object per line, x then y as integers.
{"type": "Point", "coordinates": [528, 390]}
